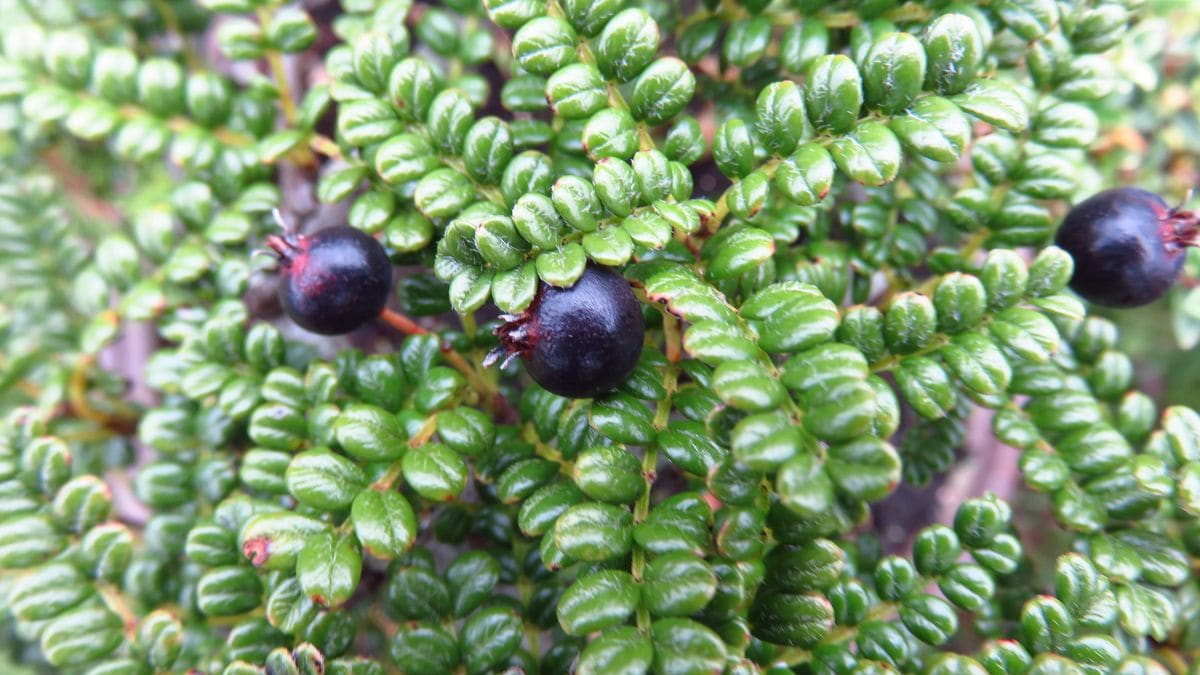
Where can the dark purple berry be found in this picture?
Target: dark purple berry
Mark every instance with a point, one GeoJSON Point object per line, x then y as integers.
{"type": "Point", "coordinates": [334, 280]}
{"type": "Point", "coordinates": [1128, 246]}
{"type": "Point", "coordinates": [579, 341]}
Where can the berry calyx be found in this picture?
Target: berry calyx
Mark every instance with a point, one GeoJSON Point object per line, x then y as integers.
{"type": "Point", "coordinates": [580, 341]}
{"type": "Point", "coordinates": [334, 280]}
{"type": "Point", "coordinates": [1128, 246]}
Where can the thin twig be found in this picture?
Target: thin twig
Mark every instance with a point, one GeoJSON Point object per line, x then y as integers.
{"type": "Point", "coordinates": [275, 60]}
{"type": "Point", "coordinates": [492, 398]}
{"type": "Point", "coordinates": [401, 323]}
{"type": "Point", "coordinates": [78, 188]}
{"type": "Point", "coordinates": [171, 20]}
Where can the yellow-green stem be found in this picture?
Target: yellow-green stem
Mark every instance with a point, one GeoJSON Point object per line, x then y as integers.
{"type": "Point", "coordinates": [275, 61]}
{"type": "Point", "coordinates": [171, 21]}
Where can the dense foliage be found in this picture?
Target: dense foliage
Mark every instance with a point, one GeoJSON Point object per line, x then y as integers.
{"type": "Point", "coordinates": [836, 218]}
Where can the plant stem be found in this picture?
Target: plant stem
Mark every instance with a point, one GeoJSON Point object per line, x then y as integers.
{"type": "Point", "coordinates": [325, 146]}
{"type": "Point", "coordinates": [401, 323]}
{"type": "Point", "coordinates": [118, 604]}
{"type": "Point", "coordinates": [171, 21]}
{"type": "Point", "coordinates": [82, 407]}
{"type": "Point", "coordinates": [428, 429]}
{"type": "Point", "coordinates": [671, 337]}
{"type": "Point", "coordinates": [78, 188]}
{"type": "Point", "coordinates": [721, 210]}
{"type": "Point", "coordinates": [275, 60]}
{"type": "Point", "coordinates": [489, 393]}
{"type": "Point", "coordinates": [641, 508]}
{"type": "Point", "coordinates": [974, 243]}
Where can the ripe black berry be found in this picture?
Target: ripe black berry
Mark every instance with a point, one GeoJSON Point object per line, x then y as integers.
{"type": "Point", "coordinates": [579, 341]}
{"type": "Point", "coordinates": [1128, 246]}
{"type": "Point", "coordinates": [334, 280]}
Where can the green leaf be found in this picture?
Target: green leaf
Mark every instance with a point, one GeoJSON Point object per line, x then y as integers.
{"type": "Point", "coordinates": [931, 619]}
{"type": "Point", "coordinates": [733, 149]}
{"type": "Point", "coordinates": [616, 185]}
{"type": "Point", "coordinates": [366, 121]}
{"type": "Point", "coordinates": [910, 323]}
{"type": "Point", "coordinates": [748, 196]}
{"type": "Point", "coordinates": [926, 387]}
{"type": "Point", "coordinates": [1066, 125]}
{"type": "Point", "coordinates": [793, 619]}
{"type": "Point", "coordinates": [833, 93]}
{"type": "Point", "coordinates": [369, 433]}
{"type": "Point", "coordinates": [227, 591]}
{"type": "Point", "coordinates": [967, 585]}
{"type": "Point", "coordinates": [893, 72]}
{"type": "Point", "coordinates": [622, 418]}
{"type": "Point", "coordinates": [677, 584]}
{"type": "Point", "coordinates": [493, 634]}
{"type": "Point", "coordinates": [746, 41]}
{"type": "Point", "coordinates": [442, 193]}
{"type": "Point", "coordinates": [1029, 19]}
{"type": "Point", "coordinates": [328, 568]}
{"type": "Point", "coordinates": [662, 90]}
{"type": "Point", "coordinates": [81, 636]}
{"type": "Point", "coordinates": [278, 427]}
{"type": "Point", "coordinates": [689, 446]}
{"type": "Point", "coordinates": [521, 478]}
{"type": "Point", "coordinates": [995, 103]}
{"type": "Point", "coordinates": [865, 468]}
{"type": "Point", "coordinates": [740, 252]}
{"type": "Point", "coordinates": [609, 474]}
{"type": "Point", "coordinates": [748, 386]}
{"type": "Point", "coordinates": [870, 154]}
{"type": "Point", "coordinates": [647, 228]}
{"type": "Point", "coordinates": [598, 601]}
{"type": "Point", "coordinates": [790, 317]}
{"type": "Point", "coordinates": [435, 472]}
{"type": "Point", "coordinates": [424, 648]}
{"type": "Point", "coordinates": [592, 531]}
{"type": "Point", "coordinates": [544, 45]}
{"type": "Point", "coordinates": [954, 50]}
{"type": "Point", "coordinates": [627, 44]}
{"type": "Point", "coordinates": [411, 87]}
{"type": "Point", "coordinates": [621, 649]}
{"type": "Point", "coordinates": [291, 30]}
{"type": "Point", "coordinates": [404, 158]}
{"type": "Point", "coordinates": [806, 176]}
{"type": "Point", "coordinates": [470, 289]}
{"type": "Point", "coordinates": [978, 363]}
{"type": "Point", "coordinates": [610, 133]}
{"type": "Point", "coordinates": [272, 540]}
{"type": "Point", "coordinates": [471, 579]}
{"type": "Point", "coordinates": [46, 592]}
{"type": "Point", "coordinates": [576, 91]}
{"type": "Point", "coordinates": [384, 523]}
{"type": "Point", "coordinates": [781, 121]}
{"type": "Point", "coordinates": [498, 241]}
{"type": "Point", "coordinates": [683, 645]}
{"type": "Point", "coordinates": [542, 508]}
{"type": "Point", "coordinates": [1045, 624]}
{"type": "Point", "coordinates": [935, 128]}
{"type": "Point", "coordinates": [803, 486]}
{"type": "Point", "coordinates": [814, 566]}
{"type": "Point", "coordinates": [323, 480]}
{"type": "Point", "coordinates": [576, 200]}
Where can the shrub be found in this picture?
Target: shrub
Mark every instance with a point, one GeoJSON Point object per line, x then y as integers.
{"type": "Point", "coordinates": [836, 218]}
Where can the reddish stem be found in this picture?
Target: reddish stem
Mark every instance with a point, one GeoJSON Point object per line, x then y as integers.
{"type": "Point", "coordinates": [401, 323]}
{"type": "Point", "coordinates": [283, 246]}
